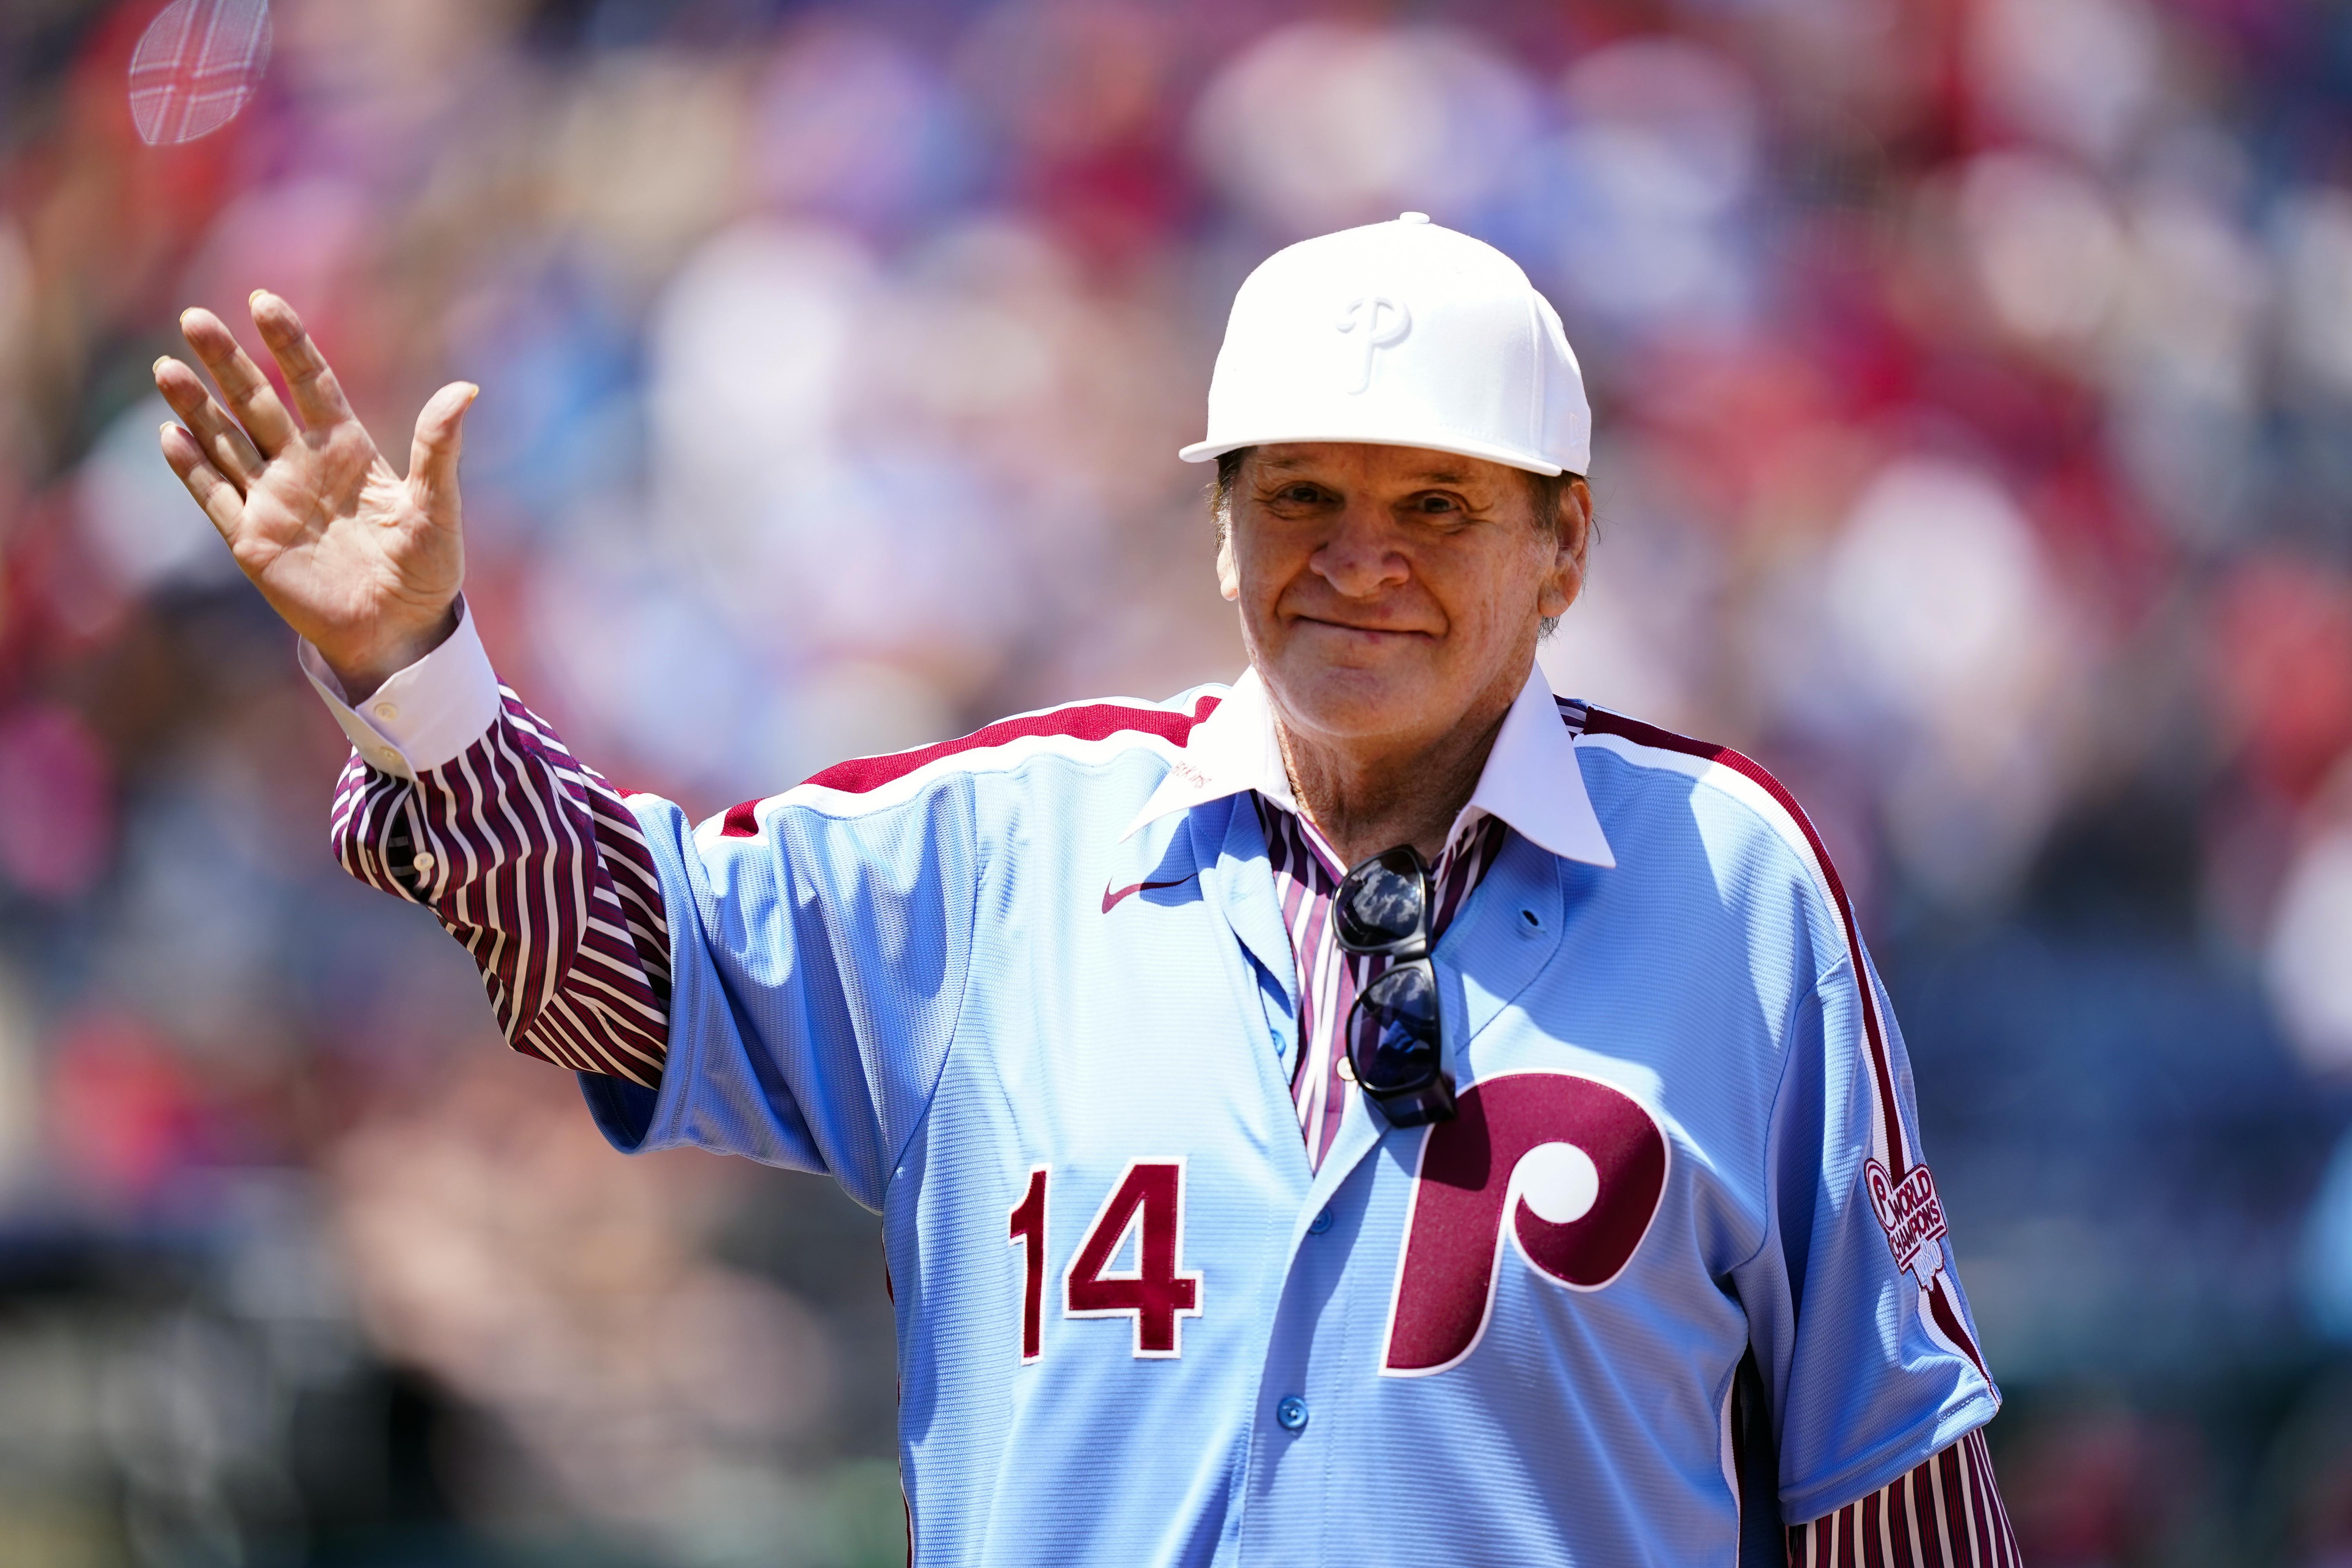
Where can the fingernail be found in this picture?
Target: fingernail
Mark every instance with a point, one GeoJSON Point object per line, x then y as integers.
{"type": "Point", "coordinates": [161, 360]}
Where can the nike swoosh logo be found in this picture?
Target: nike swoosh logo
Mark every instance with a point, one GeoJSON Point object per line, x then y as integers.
{"type": "Point", "coordinates": [1113, 895]}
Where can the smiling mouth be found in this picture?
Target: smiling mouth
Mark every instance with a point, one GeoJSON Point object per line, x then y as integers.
{"type": "Point", "coordinates": [1362, 631]}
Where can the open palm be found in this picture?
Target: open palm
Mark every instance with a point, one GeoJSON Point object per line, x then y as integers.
{"type": "Point", "coordinates": [362, 563]}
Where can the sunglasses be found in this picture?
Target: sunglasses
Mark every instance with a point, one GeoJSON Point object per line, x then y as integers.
{"type": "Point", "coordinates": [1396, 1041]}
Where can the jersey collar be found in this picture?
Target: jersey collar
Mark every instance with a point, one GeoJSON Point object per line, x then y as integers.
{"type": "Point", "coordinates": [1531, 779]}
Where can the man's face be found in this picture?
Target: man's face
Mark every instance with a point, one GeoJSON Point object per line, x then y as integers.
{"type": "Point", "coordinates": [1387, 592]}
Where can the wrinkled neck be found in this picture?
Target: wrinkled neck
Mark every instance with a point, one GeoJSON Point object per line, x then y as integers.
{"type": "Point", "coordinates": [1367, 796]}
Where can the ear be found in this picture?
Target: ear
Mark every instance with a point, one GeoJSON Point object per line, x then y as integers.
{"type": "Point", "coordinates": [1572, 542]}
{"type": "Point", "coordinates": [1229, 575]}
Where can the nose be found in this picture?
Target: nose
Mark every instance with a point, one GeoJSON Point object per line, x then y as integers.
{"type": "Point", "coordinates": [1361, 558]}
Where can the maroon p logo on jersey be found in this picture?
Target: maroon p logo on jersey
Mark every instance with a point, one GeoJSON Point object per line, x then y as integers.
{"type": "Point", "coordinates": [1568, 1168]}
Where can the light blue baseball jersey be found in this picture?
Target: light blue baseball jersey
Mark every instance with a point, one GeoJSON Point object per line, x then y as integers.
{"type": "Point", "coordinates": [1029, 995]}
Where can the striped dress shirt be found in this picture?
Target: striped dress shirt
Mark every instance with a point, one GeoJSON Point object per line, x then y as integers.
{"type": "Point", "coordinates": [1307, 876]}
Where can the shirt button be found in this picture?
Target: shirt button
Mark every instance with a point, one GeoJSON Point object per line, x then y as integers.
{"type": "Point", "coordinates": [1291, 1414]}
{"type": "Point", "coordinates": [1319, 1223]}
{"type": "Point", "coordinates": [423, 862]}
{"type": "Point", "coordinates": [388, 757]}
{"type": "Point", "coordinates": [387, 711]}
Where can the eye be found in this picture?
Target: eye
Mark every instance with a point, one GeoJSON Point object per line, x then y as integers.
{"type": "Point", "coordinates": [1437, 503]}
{"type": "Point", "coordinates": [1299, 494]}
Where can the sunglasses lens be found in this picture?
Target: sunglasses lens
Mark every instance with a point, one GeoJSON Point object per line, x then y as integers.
{"type": "Point", "coordinates": [1393, 1043]}
{"type": "Point", "coordinates": [1380, 902]}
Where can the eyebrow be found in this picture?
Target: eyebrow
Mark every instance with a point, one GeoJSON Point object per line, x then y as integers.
{"type": "Point", "coordinates": [1427, 476]}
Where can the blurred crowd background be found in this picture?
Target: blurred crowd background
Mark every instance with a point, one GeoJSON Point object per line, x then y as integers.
{"type": "Point", "coordinates": [1974, 393]}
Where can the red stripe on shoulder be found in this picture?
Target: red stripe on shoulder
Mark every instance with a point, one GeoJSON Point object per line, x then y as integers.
{"type": "Point", "coordinates": [1088, 721]}
{"type": "Point", "coordinates": [1600, 722]}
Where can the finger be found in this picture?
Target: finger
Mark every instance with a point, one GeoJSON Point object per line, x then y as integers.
{"type": "Point", "coordinates": [243, 388]}
{"type": "Point", "coordinates": [318, 396]}
{"type": "Point", "coordinates": [440, 436]}
{"type": "Point", "coordinates": [215, 494]}
{"type": "Point", "coordinates": [229, 450]}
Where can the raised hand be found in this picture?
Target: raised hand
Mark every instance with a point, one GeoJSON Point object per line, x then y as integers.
{"type": "Point", "coordinates": [362, 563]}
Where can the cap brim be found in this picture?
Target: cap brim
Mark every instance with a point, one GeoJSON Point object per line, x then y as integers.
{"type": "Point", "coordinates": [1202, 451]}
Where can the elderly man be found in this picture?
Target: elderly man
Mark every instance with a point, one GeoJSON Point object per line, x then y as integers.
{"type": "Point", "coordinates": [1375, 1113]}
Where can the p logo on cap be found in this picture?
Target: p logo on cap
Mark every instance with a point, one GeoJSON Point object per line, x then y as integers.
{"type": "Point", "coordinates": [1384, 322]}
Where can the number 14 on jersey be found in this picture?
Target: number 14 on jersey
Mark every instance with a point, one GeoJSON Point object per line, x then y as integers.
{"type": "Point", "coordinates": [1147, 1203]}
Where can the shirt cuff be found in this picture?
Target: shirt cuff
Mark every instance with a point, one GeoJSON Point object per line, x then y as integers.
{"type": "Point", "coordinates": [423, 715]}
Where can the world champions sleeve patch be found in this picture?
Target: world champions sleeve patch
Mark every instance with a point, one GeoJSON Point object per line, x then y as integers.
{"type": "Point", "coordinates": [1912, 1216]}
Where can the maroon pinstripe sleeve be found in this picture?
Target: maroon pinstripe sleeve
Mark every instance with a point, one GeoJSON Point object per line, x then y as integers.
{"type": "Point", "coordinates": [537, 867]}
{"type": "Point", "coordinates": [1946, 1514]}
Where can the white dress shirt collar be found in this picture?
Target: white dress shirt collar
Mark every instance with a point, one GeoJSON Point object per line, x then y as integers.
{"type": "Point", "coordinates": [1531, 779]}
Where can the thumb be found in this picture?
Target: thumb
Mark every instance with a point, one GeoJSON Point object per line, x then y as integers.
{"type": "Point", "coordinates": [440, 436]}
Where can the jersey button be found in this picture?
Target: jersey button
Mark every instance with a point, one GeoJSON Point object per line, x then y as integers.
{"type": "Point", "coordinates": [1320, 1222]}
{"type": "Point", "coordinates": [1291, 1413]}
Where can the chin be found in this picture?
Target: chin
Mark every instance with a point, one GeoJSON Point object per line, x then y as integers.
{"type": "Point", "coordinates": [1347, 700]}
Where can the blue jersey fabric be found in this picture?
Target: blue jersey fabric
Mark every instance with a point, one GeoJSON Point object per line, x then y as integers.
{"type": "Point", "coordinates": [1690, 1128]}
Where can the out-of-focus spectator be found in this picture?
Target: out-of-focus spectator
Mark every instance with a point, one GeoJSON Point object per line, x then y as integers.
{"type": "Point", "coordinates": [493, 1243]}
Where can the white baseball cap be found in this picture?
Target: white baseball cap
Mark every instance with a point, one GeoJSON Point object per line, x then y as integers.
{"type": "Point", "coordinates": [1406, 334]}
